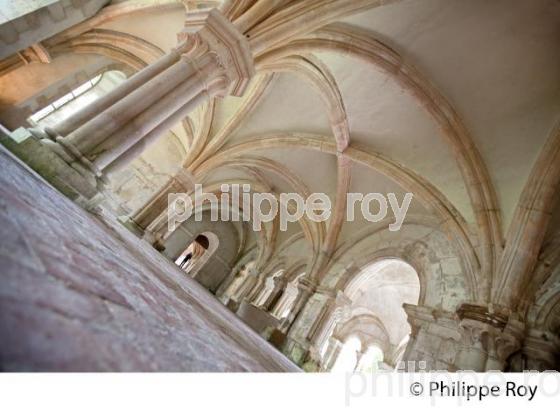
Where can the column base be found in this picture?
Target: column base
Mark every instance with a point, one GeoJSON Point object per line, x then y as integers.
{"type": "Point", "coordinates": [295, 351]}
{"type": "Point", "coordinates": [84, 189]}
{"type": "Point", "coordinates": [132, 226]}
{"type": "Point", "coordinates": [257, 319]}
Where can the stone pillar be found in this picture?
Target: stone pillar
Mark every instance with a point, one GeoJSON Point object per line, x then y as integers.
{"type": "Point", "coordinates": [489, 338]}
{"type": "Point", "coordinates": [213, 59]}
{"type": "Point", "coordinates": [333, 350]}
{"type": "Point", "coordinates": [266, 296]}
{"type": "Point", "coordinates": [433, 342]}
{"type": "Point", "coordinates": [294, 298]}
{"type": "Point", "coordinates": [336, 310]}
{"type": "Point", "coordinates": [142, 219]}
{"type": "Point", "coordinates": [306, 289]}
{"type": "Point", "coordinates": [286, 300]}
{"type": "Point", "coordinates": [301, 324]}
{"type": "Point", "coordinates": [247, 285]}
{"type": "Point", "coordinates": [252, 295]}
{"type": "Point", "coordinates": [96, 107]}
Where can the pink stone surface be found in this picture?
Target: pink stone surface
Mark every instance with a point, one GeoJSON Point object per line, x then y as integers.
{"type": "Point", "coordinates": [81, 294]}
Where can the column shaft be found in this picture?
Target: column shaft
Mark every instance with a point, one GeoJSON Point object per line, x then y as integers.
{"type": "Point", "coordinates": [134, 151]}
{"type": "Point", "coordinates": [104, 125]}
{"type": "Point", "coordinates": [102, 103]}
{"type": "Point", "coordinates": [213, 59]}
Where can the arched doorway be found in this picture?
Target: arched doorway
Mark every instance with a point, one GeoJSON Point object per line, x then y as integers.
{"type": "Point", "coordinates": [194, 251]}
{"type": "Point", "coordinates": [197, 253]}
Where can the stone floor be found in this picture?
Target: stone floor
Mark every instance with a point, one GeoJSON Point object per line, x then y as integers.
{"type": "Point", "coordinates": [79, 294]}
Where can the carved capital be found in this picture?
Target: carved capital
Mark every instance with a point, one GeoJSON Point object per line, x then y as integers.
{"type": "Point", "coordinates": [305, 285]}
{"type": "Point", "coordinates": [185, 179]}
{"type": "Point", "coordinates": [493, 332]}
{"type": "Point", "coordinates": [231, 48]}
{"type": "Point", "coordinates": [497, 318]}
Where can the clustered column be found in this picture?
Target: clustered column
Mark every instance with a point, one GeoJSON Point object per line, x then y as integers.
{"type": "Point", "coordinates": [212, 59]}
{"type": "Point", "coordinates": [489, 338]}
{"type": "Point", "coordinates": [150, 218]}
{"type": "Point", "coordinates": [473, 338]}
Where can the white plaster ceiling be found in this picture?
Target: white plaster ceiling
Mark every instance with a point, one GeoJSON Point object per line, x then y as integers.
{"type": "Point", "coordinates": [159, 27]}
{"type": "Point", "coordinates": [291, 104]}
{"type": "Point", "coordinates": [498, 62]}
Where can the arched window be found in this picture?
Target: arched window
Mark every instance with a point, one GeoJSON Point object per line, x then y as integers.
{"type": "Point", "coordinates": [78, 98]}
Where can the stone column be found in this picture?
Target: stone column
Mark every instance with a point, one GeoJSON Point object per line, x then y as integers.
{"type": "Point", "coordinates": [333, 350]}
{"type": "Point", "coordinates": [272, 286]}
{"type": "Point", "coordinates": [288, 296]}
{"type": "Point", "coordinates": [247, 285]}
{"type": "Point", "coordinates": [306, 289]}
{"type": "Point", "coordinates": [294, 298]}
{"type": "Point", "coordinates": [143, 218]}
{"type": "Point", "coordinates": [95, 108]}
{"type": "Point", "coordinates": [434, 339]}
{"type": "Point", "coordinates": [213, 59]}
{"type": "Point", "coordinates": [489, 338]}
{"type": "Point", "coordinates": [300, 326]}
{"type": "Point", "coordinates": [337, 309]}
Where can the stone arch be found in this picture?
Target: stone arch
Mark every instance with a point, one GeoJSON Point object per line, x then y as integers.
{"type": "Point", "coordinates": [449, 219]}
{"type": "Point", "coordinates": [223, 248]}
{"type": "Point", "coordinates": [533, 213]}
{"type": "Point", "coordinates": [348, 40]}
{"type": "Point", "coordinates": [426, 250]}
{"type": "Point", "coordinates": [368, 329]}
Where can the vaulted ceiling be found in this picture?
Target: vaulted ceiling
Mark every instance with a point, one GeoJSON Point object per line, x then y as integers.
{"type": "Point", "coordinates": [452, 100]}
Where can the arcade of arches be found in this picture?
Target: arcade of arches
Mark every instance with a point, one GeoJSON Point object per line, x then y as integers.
{"type": "Point", "coordinates": [118, 104]}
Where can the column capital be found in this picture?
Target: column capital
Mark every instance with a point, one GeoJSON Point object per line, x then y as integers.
{"type": "Point", "coordinates": [438, 321]}
{"type": "Point", "coordinates": [494, 316]}
{"type": "Point", "coordinates": [306, 285]}
{"type": "Point", "coordinates": [223, 39]}
{"type": "Point", "coordinates": [493, 330]}
{"type": "Point", "coordinates": [185, 179]}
